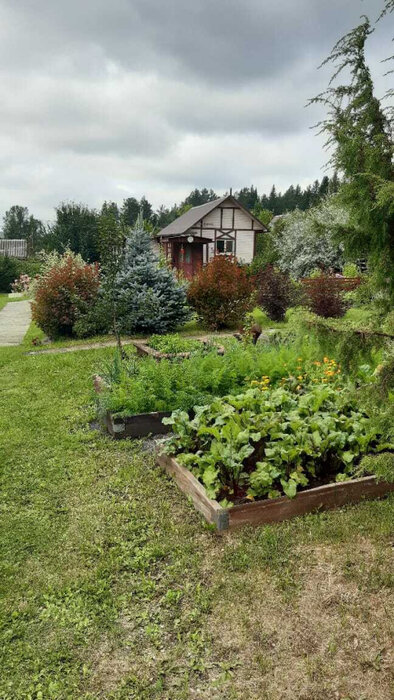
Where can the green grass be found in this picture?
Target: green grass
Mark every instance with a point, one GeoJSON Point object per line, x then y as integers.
{"type": "Point", "coordinates": [113, 587]}
{"type": "Point", "coordinates": [191, 328]}
{"type": "Point", "coordinates": [4, 299]}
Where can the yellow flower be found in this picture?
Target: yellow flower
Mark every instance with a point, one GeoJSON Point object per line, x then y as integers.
{"type": "Point", "coordinates": [300, 377]}
{"type": "Point", "coordinates": [329, 374]}
{"type": "Point", "coordinates": [326, 359]}
{"type": "Point", "coordinates": [318, 364]}
{"type": "Point", "coordinates": [254, 383]}
{"type": "Point", "coordinates": [298, 387]}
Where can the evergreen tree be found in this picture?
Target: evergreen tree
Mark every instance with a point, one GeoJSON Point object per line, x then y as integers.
{"type": "Point", "coordinates": [76, 228]}
{"type": "Point", "coordinates": [18, 223]}
{"type": "Point", "coordinates": [334, 184]}
{"type": "Point", "coordinates": [248, 197]}
{"type": "Point", "coordinates": [112, 236]}
{"type": "Point", "coordinates": [323, 187]}
{"type": "Point", "coordinates": [109, 208]}
{"type": "Point", "coordinates": [360, 136]}
{"type": "Point", "coordinates": [273, 201]}
{"type": "Point", "coordinates": [131, 209]}
{"type": "Point", "coordinates": [198, 197]}
{"type": "Point", "coordinates": [149, 298]}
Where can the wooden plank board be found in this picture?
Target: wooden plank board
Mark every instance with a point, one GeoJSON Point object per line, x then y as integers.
{"type": "Point", "coordinates": [321, 498]}
{"type": "Point", "coordinates": [187, 482]}
{"type": "Point", "coordinates": [140, 425]}
{"type": "Point", "coordinates": [325, 497]}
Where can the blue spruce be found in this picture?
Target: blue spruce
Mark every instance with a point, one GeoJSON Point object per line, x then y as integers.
{"type": "Point", "coordinates": [149, 298]}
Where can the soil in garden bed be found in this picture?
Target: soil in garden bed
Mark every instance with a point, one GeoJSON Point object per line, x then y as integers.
{"type": "Point", "coordinates": [239, 497]}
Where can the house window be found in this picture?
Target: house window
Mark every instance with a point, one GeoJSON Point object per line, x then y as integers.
{"type": "Point", "coordinates": [225, 246]}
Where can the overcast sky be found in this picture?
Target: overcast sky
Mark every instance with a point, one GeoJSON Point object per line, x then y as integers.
{"type": "Point", "coordinates": [104, 99]}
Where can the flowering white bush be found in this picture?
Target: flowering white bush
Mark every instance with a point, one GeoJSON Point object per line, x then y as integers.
{"type": "Point", "coordinates": [55, 259]}
{"type": "Point", "coordinates": [307, 239]}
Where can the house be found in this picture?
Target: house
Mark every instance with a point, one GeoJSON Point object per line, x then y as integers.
{"type": "Point", "coordinates": [221, 227]}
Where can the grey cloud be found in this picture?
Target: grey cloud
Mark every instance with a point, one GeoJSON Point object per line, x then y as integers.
{"type": "Point", "coordinates": [102, 99]}
{"type": "Point", "coordinates": [217, 41]}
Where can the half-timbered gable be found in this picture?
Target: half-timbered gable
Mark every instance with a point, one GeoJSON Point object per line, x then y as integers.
{"type": "Point", "coordinates": [221, 227]}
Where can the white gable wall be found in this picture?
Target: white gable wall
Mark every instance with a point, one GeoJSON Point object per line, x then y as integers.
{"type": "Point", "coordinates": [212, 220]}
{"type": "Point", "coordinates": [242, 220]}
{"type": "Point", "coordinates": [228, 219]}
{"type": "Point", "coordinates": [244, 246]}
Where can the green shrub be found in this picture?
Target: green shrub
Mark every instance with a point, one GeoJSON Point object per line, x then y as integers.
{"type": "Point", "coordinates": [9, 271]}
{"type": "Point", "coordinates": [325, 296]}
{"type": "Point", "coordinates": [95, 320]}
{"type": "Point", "coordinates": [221, 293]}
{"type": "Point", "coordinates": [274, 292]}
{"type": "Point", "coordinates": [173, 343]}
{"type": "Point", "coordinates": [63, 293]}
{"type": "Point", "coordinates": [350, 269]}
{"type": "Point", "coordinates": [341, 338]}
{"type": "Point", "coordinates": [388, 323]}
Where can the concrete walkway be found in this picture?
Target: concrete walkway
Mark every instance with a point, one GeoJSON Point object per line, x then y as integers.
{"type": "Point", "coordinates": [14, 321]}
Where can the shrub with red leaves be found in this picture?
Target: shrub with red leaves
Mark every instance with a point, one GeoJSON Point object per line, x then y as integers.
{"type": "Point", "coordinates": [63, 294]}
{"type": "Point", "coordinates": [275, 292]}
{"type": "Point", "coordinates": [325, 295]}
{"type": "Point", "coordinates": [221, 293]}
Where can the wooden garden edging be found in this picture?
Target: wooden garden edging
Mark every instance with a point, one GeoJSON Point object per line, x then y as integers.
{"type": "Point", "coordinates": [140, 425]}
{"type": "Point", "coordinates": [271, 511]}
{"type": "Point", "coordinates": [136, 426]}
{"type": "Point", "coordinates": [143, 349]}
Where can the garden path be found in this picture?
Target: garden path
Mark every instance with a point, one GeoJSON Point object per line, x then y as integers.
{"type": "Point", "coordinates": [15, 319]}
{"type": "Point", "coordinates": [104, 344]}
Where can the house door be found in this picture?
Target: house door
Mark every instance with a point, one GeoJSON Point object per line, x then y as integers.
{"type": "Point", "coordinates": [188, 257]}
{"type": "Point", "coordinates": [187, 260]}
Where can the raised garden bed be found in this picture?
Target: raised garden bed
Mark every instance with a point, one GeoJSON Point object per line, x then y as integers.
{"type": "Point", "coordinates": [325, 497]}
{"type": "Point", "coordinates": [144, 350]}
{"type": "Point", "coordinates": [137, 426]}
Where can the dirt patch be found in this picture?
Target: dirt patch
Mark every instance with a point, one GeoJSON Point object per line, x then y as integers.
{"type": "Point", "coordinates": [335, 640]}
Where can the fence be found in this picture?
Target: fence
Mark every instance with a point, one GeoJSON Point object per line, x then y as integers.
{"type": "Point", "coordinates": [342, 284]}
{"type": "Point", "coordinates": [13, 247]}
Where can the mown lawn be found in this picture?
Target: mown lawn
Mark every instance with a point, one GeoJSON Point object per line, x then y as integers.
{"type": "Point", "coordinates": [112, 587]}
{"type": "Point", "coordinates": [5, 299]}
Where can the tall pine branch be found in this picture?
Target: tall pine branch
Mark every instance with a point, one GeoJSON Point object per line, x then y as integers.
{"type": "Point", "coordinates": [359, 134]}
